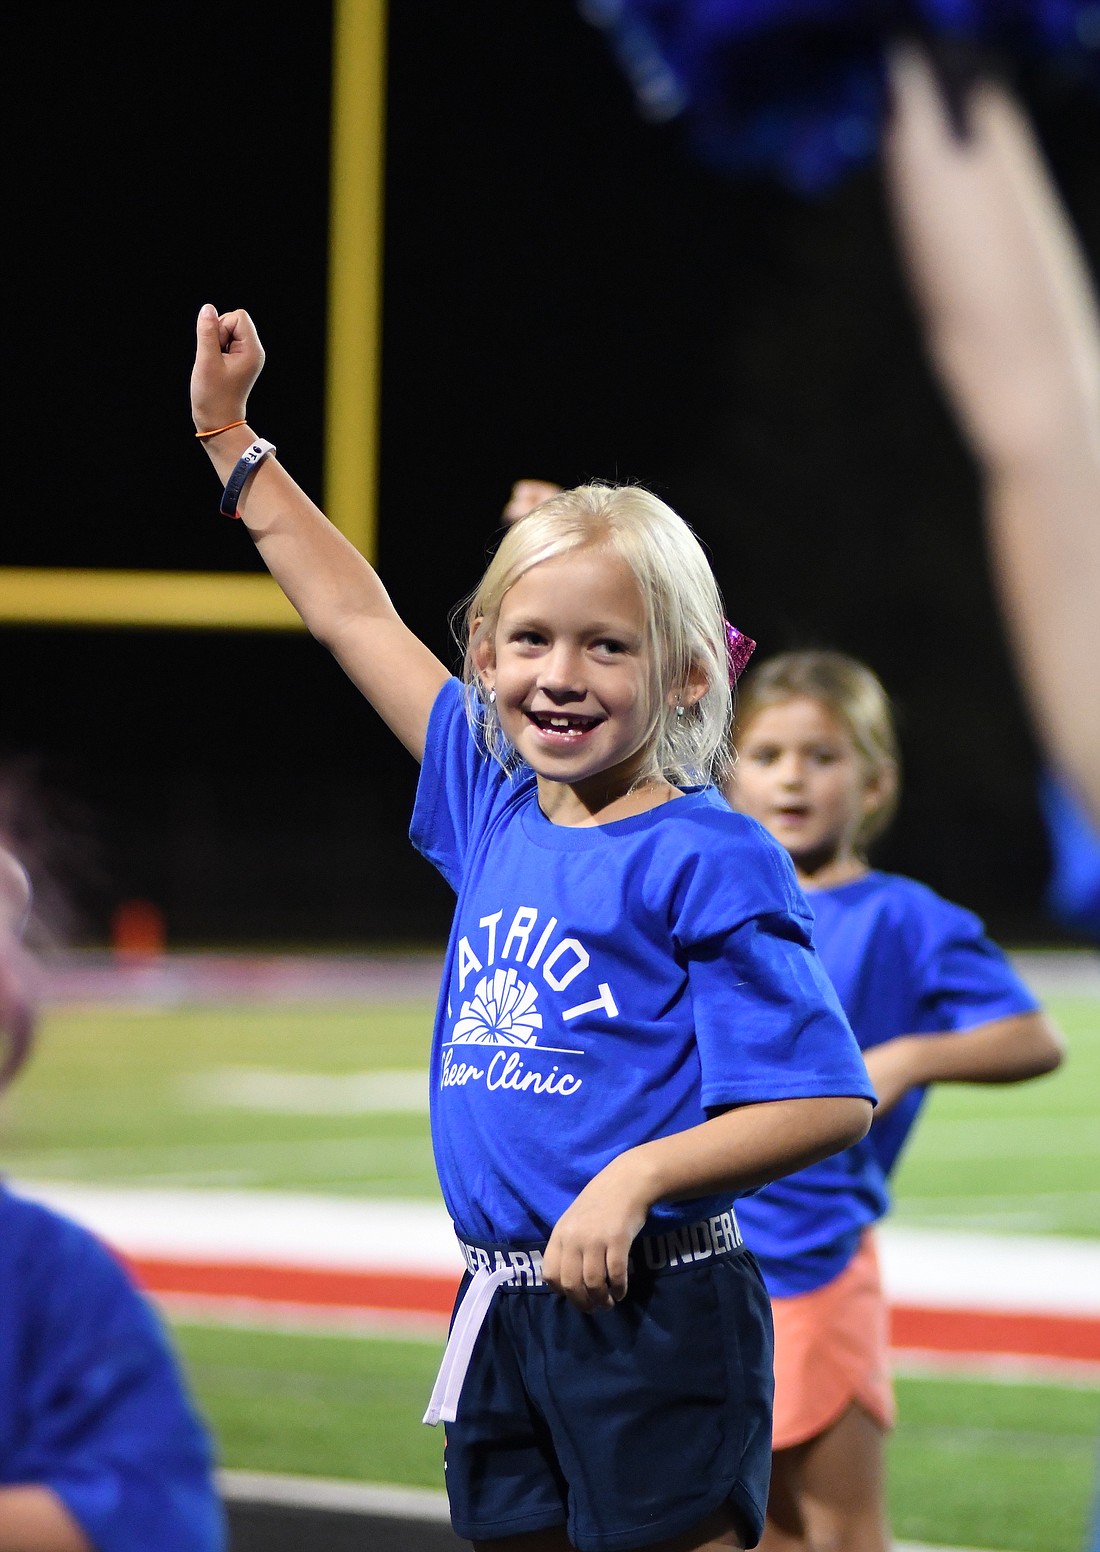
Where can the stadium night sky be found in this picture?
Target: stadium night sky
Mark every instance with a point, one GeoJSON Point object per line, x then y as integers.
{"type": "Point", "coordinates": [566, 294]}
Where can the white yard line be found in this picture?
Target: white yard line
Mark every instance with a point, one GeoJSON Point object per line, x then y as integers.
{"type": "Point", "coordinates": [929, 1268]}
{"type": "Point", "coordinates": [288, 1319]}
{"type": "Point", "coordinates": [922, 1363]}
{"type": "Point", "coordinates": [376, 1500]}
{"type": "Point", "coordinates": [1060, 973]}
{"type": "Point", "coordinates": [391, 1091]}
{"type": "Point", "coordinates": [367, 1498]}
{"type": "Point", "coordinates": [262, 1227]}
{"type": "Point", "coordinates": [1008, 1272]}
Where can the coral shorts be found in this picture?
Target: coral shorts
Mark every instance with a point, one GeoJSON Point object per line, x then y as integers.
{"type": "Point", "coordinates": [831, 1350]}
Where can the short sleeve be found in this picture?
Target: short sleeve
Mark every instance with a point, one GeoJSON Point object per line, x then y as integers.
{"type": "Point", "coordinates": [965, 979]}
{"type": "Point", "coordinates": [105, 1421]}
{"type": "Point", "coordinates": [458, 783]}
{"type": "Point", "coordinates": [768, 1023]}
{"type": "Point", "coordinates": [961, 979]}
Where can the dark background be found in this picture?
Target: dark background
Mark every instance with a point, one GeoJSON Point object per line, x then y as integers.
{"type": "Point", "coordinates": [566, 294]}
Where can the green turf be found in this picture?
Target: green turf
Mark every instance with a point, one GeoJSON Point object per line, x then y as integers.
{"type": "Point", "coordinates": [1008, 1466]}
{"type": "Point", "coordinates": [327, 1406]}
{"type": "Point", "coordinates": [1022, 1158]}
{"type": "Point", "coordinates": [117, 1096]}
{"type": "Point", "coordinates": [124, 1097]}
{"type": "Point", "coordinates": [990, 1465]}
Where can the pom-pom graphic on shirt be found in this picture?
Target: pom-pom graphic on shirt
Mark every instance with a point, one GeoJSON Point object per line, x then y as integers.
{"type": "Point", "coordinates": [501, 1012]}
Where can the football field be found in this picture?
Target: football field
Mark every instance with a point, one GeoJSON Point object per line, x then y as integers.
{"type": "Point", "coordinates": [177, 1087]}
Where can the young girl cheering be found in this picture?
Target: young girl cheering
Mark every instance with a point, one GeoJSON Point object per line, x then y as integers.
{"type": "Point", "coordinates": [633, 1028]}
{"type": "Point", "coordinates": [931, 999]}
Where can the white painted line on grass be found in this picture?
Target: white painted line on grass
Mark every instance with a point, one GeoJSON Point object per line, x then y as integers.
{"type": "Point", "coordinates": [287, 1319]}
{"type": "Point", "coordinates": [929, 1268]}
{"type": "Point", "coordinates": [403, 1503]}
{"type": "Point", "coordinates": [262, 1227]}
{"type": "Point", "coordinates": [921, 1363]}
{"type": "Point", "coordinates": [273, 1092]}
{"type": "Point", "coordinates": [366, 1498]}
{"type": "Point", "coordinates": [924, 1546]}
{"type": "Point", "coordinates": [1060, 972]}
{"type": "Point", "coordinates": [1003, 1272]}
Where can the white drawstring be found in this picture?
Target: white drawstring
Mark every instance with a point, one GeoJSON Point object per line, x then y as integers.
{"type": "Point", "coordinates": [468, 1321]}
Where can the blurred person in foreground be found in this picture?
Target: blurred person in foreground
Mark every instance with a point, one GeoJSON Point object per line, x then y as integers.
{"type": "Point", "coordinates": [805, 91]}
{"type": "Point", "coordinates": [1012, 329]}
{"type": "Point", "coordinates": [100, 1448]}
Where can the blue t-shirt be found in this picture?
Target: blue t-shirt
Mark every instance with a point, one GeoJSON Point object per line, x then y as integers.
{"type": "Point", "coordinates": [92, 1404]}
{"type": "Point", "coordinates": [904, 962]}
{"type": "Point", "coordinates": [605, 986]}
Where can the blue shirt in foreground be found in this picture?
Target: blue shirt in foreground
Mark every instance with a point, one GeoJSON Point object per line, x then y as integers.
{"type": "Point", "coordinates": [605, 986]}
{"type": "Point", "coordinates": [904, 962]}
{"type": "Point", "coordinates": [92, 1404]}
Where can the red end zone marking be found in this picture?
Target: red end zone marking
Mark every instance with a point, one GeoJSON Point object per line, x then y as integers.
{"type": "Point", "coordinates": [298, 1285]}
{"type": "Point", "coordinates": [996, 1331]}
{"type": "Point", "coordinates": [934, 1330]}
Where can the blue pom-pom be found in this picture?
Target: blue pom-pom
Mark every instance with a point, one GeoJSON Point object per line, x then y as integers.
{"type": "Point", "coordinates": [796, 89]}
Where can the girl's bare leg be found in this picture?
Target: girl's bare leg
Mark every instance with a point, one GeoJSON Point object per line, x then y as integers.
{"type": "Point", "coordinates": [829, 1494]}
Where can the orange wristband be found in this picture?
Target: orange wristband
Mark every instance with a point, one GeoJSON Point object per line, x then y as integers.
{"type": "Point", "coordinates": [202, 435]}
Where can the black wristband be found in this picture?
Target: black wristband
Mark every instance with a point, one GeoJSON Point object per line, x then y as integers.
{"type": "Point", "coordinates": [250, 460]}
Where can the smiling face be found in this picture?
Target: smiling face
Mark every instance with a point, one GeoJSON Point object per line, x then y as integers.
{"type": "Point", "coordinates": [800, 774]}
{"type": "Point", "coordinates": [570, 665]}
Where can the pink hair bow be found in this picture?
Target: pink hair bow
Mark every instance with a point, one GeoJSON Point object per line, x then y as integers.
{"type": "Point", "coordinates": [739, 648]}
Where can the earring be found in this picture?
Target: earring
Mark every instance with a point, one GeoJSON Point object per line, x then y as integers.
{"type": "Point", "coordinates": [680, 708]}
{"type": "Point", "coordinates": [492, 697]}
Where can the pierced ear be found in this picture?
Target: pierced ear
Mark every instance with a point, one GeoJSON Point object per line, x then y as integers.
{"type": "Point", "coordinates": [691, 692]}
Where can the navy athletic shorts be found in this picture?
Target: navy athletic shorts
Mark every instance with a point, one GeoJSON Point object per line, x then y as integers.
{"type": "Point", "coordinates": [627, 1426]}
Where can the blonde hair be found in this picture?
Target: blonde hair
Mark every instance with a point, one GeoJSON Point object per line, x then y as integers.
{"type": "Point", "coordinates": [685, 629]}
{"type": "Point", "coordinates": [855, 697]}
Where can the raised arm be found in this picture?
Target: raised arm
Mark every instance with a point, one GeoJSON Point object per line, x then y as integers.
{"type": "Point", "coordinates": [334, 589]}
{"type": "Point", "coordinates": [1012, 329]}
